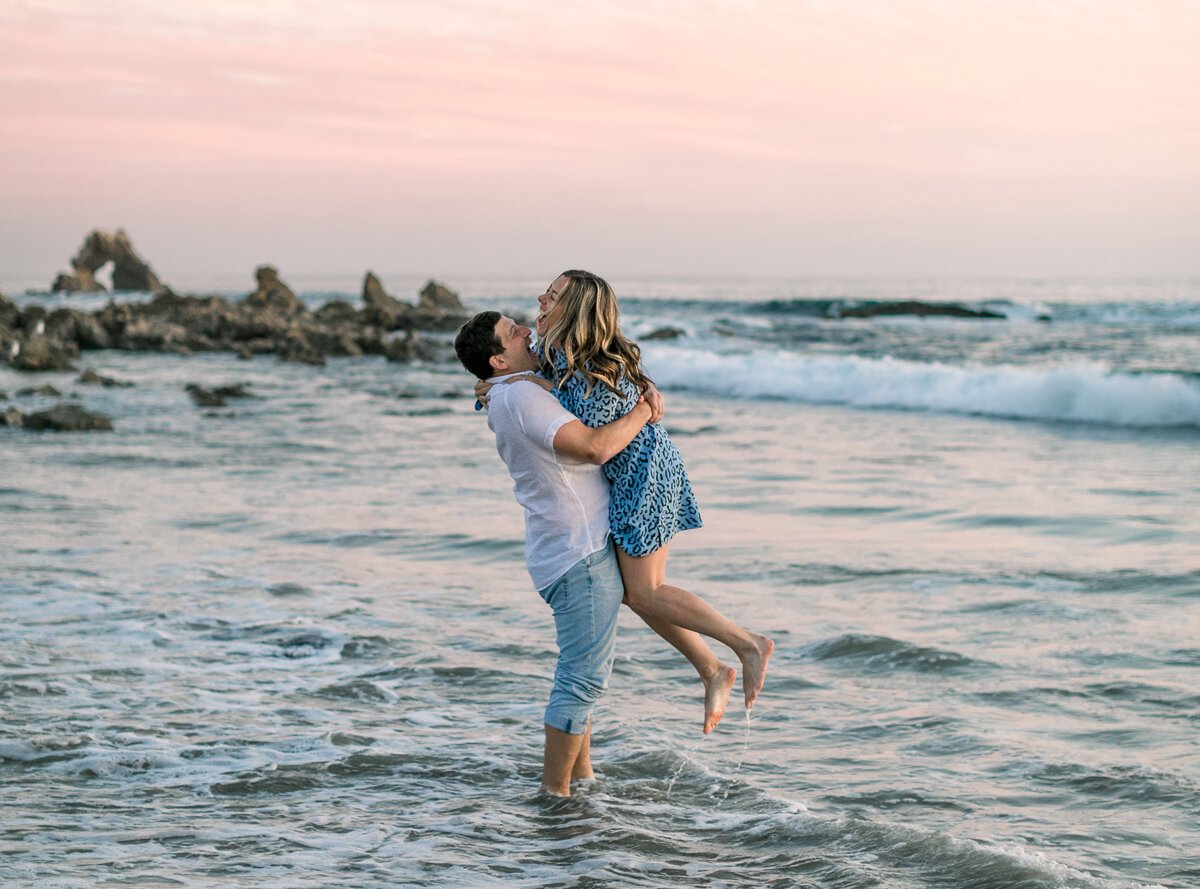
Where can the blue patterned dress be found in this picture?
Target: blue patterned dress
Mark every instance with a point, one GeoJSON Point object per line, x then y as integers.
{"type": "Point", "coordinates": [650, 497]}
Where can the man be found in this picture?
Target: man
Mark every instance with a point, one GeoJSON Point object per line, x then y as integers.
{"type": "Point", "coordinates": [554, 461]}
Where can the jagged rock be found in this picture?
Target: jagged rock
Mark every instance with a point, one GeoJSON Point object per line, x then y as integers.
{"type": "Point", "coordinates": [913, 307]}
{"type": "Point", "coordinates": [664, 333]}
{"type": "Point", "coordinates": [90, 378]}
{"type": "Point", "coordinates": [67, 418]}
{"type": "Point", "coordinates": [12, 417]}
{"type": "Point", "coordinates": [273, 294]}
{"type": "Point", "coordinates": [40, 390]}
{"type": "Point", "coordinates": [440, 298]}
{"type": "Point", "coordinates": [130, 271]}
{"type": "Point", "coordinates": [381, 309]}
{"type": "Point", "coordinates": [38, 353]}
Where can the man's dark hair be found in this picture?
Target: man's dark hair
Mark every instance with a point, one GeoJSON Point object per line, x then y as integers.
{"type": "Point", "coordinates": [477, 342]}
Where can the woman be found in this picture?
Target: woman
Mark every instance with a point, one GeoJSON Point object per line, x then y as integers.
{"type": "Point", "coordinates": [595, 372]}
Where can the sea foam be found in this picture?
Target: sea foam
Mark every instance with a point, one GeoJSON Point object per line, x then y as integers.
{"type": "Point", "coordinates": [1081, 393]}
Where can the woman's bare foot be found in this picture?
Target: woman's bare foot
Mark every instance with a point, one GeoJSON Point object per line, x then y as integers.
{"type": "Point", "coordinates": [717, 687]}
{"type": "Point", "coordinates": [754, 666]}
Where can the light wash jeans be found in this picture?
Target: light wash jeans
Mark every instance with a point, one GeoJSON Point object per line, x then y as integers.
{"type": "Point", "coordinates": [585, 601]}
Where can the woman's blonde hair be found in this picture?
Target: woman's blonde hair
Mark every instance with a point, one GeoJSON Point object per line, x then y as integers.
{"type": "Point", "coordinates": [588, 334]}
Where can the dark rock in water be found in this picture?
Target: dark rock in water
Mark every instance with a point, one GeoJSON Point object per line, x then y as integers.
{"type": "Point", "coordinates": [40, 390]}
{"type": "Point", "coordinates": [237, 390]}
{"type": "Point", "coordinates": [273, 294]}
{"type": "Point", "coordinates": [919, 309]}
{"type": "Point", "coordinates": [10, 315]}
{"type": "Point", "coordinates": [399, 349]}
{"type": "Point", "coordinates": [440, 298]}
{"type": "Point", "coordinates": [90, 378]}
{"type": "Point", "coordinates": [298, 349]}
{"type": "Point", "coordinates": [382, 310]}
{"type": "Point", "coordinates": [3, 395]}
{"type": "Point", "coordinates": [39, 353]}
{"type": "Point", "coordinates": [204, 397]}
{"type": "Point", "coordinates": [12, 417]}
{"type": "Point", "coordinates": [33, 319]}
{"type": "Point", "coordinates": [409, 347]}
{"type": "Point", "coordinates": [68, 418]}
{"type": "Point", "coordinates": [215, 397]}
{"type": "Point", "coordinates": [664, 333]}
{"type": "Point", "coordinates": [130, 271]}
{"type": "Point", "coordinates": [72, 325]}
{"type": "Point", "coordinates": [337, 312]}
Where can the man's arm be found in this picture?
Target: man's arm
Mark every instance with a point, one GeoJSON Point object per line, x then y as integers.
{"type": "Point", "coordinates": [601, 444]}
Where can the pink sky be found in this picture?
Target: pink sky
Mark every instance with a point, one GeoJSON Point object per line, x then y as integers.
{"type": "Point", "coordinates": [455, 138]}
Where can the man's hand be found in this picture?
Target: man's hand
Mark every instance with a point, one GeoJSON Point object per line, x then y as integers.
{"type": "Point", "coordinates": [655, 400]}
{"type": "Point", "coordinates": [482, 387]}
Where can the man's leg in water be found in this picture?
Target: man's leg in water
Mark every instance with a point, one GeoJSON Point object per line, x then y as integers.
{"type": "Point", "coordinates": [583, 762]}
{"type": "Point", "coordinates": [559, 762]}
{"type": "Point", "coordinates": [586, 601]}
{"type": "Point", "coordinates": [648, 593]}
{"type": "Point", "coordinates": [716, 676]}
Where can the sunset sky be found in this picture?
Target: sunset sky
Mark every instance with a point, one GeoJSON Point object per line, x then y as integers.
{"type": "Point", "coordinates": [470, 137]}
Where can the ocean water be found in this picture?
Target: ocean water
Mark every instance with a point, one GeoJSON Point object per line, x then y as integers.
{"type": "Point", "coordinates": [291, 642]}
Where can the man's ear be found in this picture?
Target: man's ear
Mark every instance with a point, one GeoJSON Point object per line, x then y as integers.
{"type": "Point", "coordinates": [499, 363]}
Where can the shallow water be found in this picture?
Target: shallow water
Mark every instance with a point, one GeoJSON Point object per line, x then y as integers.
{"type": "Point", "coordinates": [291, 642]}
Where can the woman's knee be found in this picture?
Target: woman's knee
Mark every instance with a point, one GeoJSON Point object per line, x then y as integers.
{"type": "Point", "coordinates": [639, 596]}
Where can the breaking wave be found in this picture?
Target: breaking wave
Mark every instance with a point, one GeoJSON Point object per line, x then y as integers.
{"type": "Point", "coordinates": [1078, 393]}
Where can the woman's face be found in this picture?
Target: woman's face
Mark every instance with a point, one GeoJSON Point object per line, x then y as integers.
{"type": "Point", "coordinates": [549, 307]}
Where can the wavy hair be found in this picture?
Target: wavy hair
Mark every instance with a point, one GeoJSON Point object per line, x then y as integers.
{"type": "Point", "coordinates": [587, 331]}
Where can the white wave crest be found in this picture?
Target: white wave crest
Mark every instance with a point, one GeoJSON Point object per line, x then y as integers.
{"type": "Point", "coordinates": [1081, 393]}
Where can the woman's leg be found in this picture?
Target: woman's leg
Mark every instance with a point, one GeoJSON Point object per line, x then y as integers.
{"type": "Point", "coordinates": [648, 593]}
{"type": "Point", "coordinates": [716, 676]}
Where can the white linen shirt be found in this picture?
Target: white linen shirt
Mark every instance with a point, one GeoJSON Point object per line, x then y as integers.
{"type": "Point", "coordinates": [565, 500]}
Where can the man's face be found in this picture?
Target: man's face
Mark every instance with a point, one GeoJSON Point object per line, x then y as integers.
{"type": "Point", "coordinates": [549, 307]}
{"type": "Point", "coordinates": [516, 357]}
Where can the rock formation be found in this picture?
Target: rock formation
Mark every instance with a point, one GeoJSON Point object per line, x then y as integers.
{"type": "Point", "coordinates": [67, 418]}
{"type": "Point", "coordinates": [439, 308]}
{"type": "Point", "coordinates": [380, 308]}
{"type": "Point", "coordinates": [273, 294]}
{"type": "Point", "coordinates": [42, 353]}
{"type": "Point", "coordinates": [90, 378]}
{"type": "Point", "coordinates": [663, 333]}
{"type": "Point", "coordinates": [215, 397]}
{"type": "Point", "coordinates": [270, 320]}
{"type": "Point", "coordinates": [130, 271]}
{"type": "Point", "coordinates": [440, 298]}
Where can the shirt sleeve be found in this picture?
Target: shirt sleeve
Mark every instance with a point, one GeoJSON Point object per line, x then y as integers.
{"type": "Point", "coordinates": [537, 413]}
